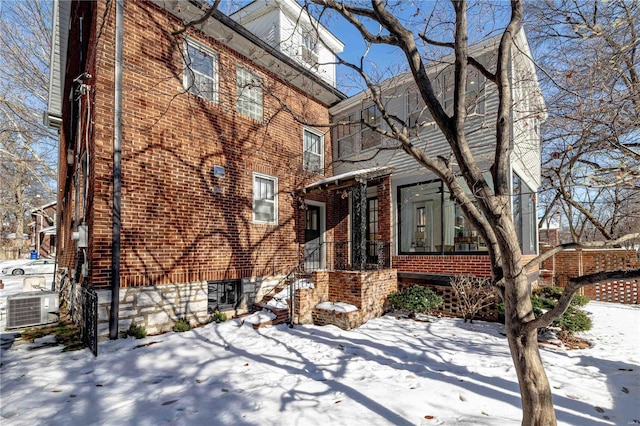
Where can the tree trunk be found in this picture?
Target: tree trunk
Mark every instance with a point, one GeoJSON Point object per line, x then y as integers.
{"type": "Point", "coordinates": [537, 403]}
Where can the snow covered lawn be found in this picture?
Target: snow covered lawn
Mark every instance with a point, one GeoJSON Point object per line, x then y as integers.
{"type": "Point", "coordinates": [387, 372]}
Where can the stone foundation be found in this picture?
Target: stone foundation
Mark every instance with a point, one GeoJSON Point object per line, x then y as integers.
{"type": "Point", "coordinates": [157, 308]}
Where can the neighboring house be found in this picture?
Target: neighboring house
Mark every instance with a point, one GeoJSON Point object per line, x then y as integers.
{"type": "Point", "coordinates": [431, 237]}
{"type": "Point", "coordinates": [43, 230]}
{"type": "Point", "coordinates": [187, 183]}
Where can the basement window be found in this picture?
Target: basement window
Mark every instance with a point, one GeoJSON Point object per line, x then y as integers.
{"type": "Point", "coordinates": [224, 295]}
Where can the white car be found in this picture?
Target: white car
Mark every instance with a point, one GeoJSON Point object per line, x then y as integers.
{"type": "Point", "coordinates": [42, 266]}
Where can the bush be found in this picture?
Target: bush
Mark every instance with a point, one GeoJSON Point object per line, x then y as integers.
{"type": "Point", "coordinates": [181, 325]}
{"type": "Point", "coordinates": [219, 316]}
{"type": "Point", "coordinates": [474, 294]}
{"type": "Point", "coordinates": [417, 299]}
{"type": "Point", "coordinates": [572, 321]}
{"type": "Point", "coordinates": [137, 331]}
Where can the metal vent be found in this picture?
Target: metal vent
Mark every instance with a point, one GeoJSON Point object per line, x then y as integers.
{"type": "Point", "coordinates": [32, 308]}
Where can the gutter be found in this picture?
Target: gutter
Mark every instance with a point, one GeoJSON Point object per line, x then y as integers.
{"type": "Point", "coordinates": [117, 174]}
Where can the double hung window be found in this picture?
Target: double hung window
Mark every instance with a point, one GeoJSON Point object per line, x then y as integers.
{"type": "Point", "coordinates": [265, 199]}
{"type": "Point", "coordinates": [201, 71]}
{"type": "Point", "coordinates": [248, 93]}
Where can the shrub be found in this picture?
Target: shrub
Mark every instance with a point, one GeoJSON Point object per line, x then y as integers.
{"type": "Point", "coordinates": [137, 331]}
{"type": "Point", "coordinates": [417, 299]}
{"type": "Point", "coordinates": [474, 294]}
{"type": "Point", "coordinates": [181, 325]}
{"type": "Point", "coordinates": [572, 321]}
{"type": "Point", "coordinates": [219, 316]}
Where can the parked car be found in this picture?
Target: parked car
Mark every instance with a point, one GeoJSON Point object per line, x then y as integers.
{"type": "Point", "coordinates": [42, 266]}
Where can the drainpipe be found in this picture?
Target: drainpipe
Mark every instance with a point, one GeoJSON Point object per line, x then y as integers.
{"type": "Point", "coordinates": [117, 175]}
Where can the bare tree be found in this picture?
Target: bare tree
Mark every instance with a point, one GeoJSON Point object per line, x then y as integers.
{"type": "Point", "coordinates": [488, 208]}
{"type": "Point", "coordinates": [27, 146]}
{"type": "Point", "coordinates": [589, 54]}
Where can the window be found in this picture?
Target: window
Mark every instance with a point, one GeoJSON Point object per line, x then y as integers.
{"type": "Point", "coordinates": [248, 94]}
{"type": "Point", "coordinates": [525, 218]}
{"type": "Point", "coordinates": [309, 41]}
{"type": "Point", "coordinates": [201, 72]}
{"type": "Point", "coordinates": [475, 92]}
{"type": "Point", "coordinates": [429, 221]}
{"type": "Point", "coordinates": [345, 135]}
{"type": "Point", "coordinates": [313, 150]}
{"type": "Point", "coordinates": [373, 243]}
{"type": "Point", "coordinates": [417, 112]}
{"type": "Point", "coordinates": [369, 137]}
{"type": "Point", "coordinates": [265, 199]}
{"type": "Point", "coordinates": [223, 295]}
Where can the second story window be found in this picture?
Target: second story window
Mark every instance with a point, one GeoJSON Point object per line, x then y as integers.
{"type": "Point", "coordinates": [201, 71]}
{"type": "Point", "coordinates": [313, 150]}
{"type": "Point", "coordinates": [345, 135]}
{"type": "Point", "coordinates": [370, 117]}
{"type": "Point", "coordinates": [417, 113]}
{"type": "Point", "coordinates": [248, 93]}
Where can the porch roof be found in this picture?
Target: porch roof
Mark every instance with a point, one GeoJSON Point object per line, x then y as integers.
{"type": "Point", "coordinates": [50, 230]}
{"type": "Point", "coordinates": [347, 179]}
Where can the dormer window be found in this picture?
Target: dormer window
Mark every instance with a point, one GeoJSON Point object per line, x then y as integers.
{"type": "Point", "coordinates": [309, 47]}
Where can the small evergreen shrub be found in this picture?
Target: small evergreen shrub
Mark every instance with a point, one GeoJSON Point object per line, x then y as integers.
{"type": "Point", "coordinates": [181, 325]}
{"type": "Point", "coordinates": [219, 316]}
{"type": "Point", "coordinates": [572, 321]}
{"type": "Point", "coordinates": [137, 331]}
{"type": "Point", "coordinates": [417, 299]}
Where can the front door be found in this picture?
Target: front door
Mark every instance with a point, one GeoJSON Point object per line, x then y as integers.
{"type": "Point", "coordinates": [312, 231]}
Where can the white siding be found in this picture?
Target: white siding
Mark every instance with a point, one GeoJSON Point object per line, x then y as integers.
{"type": "Point", "coordinates": [266, 27]}
{"type": "Point", "coordinates": [58, 59]}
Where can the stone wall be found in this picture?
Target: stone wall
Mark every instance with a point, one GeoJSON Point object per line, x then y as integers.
{"type": "Point", "coordinates": [156, 308]}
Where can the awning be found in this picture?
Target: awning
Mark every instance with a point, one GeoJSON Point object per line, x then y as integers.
{"type": "Point", "coordinates": [347, 179]}
{"type": "Point", "coordinates": [50, 230]}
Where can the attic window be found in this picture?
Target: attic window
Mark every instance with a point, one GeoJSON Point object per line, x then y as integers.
{"type": "Point", "coordinates": [309, 41]}
{"type": "Point", "coordinates": [308, 50]}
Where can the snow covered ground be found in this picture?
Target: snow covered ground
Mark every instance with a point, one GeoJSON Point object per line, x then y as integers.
{"type": "Point", "coordinates": [388, 372]}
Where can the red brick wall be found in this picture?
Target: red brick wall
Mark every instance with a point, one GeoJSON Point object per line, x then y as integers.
{"type": "Point", "coordinates": [179, 222]}
{"type": "Point", "coordinates": [476, 265]}
{"type": "Point", "coordinates": [573, 263]}
{"type": "Point", "coordinates": [366, 290]}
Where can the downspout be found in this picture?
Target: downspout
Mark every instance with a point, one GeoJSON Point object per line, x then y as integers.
{"type": "Point", "coordinates": [117, 175]}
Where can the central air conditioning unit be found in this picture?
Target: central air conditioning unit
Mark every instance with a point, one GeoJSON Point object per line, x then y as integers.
{"type": "Point", "coordinates": [32, 308]}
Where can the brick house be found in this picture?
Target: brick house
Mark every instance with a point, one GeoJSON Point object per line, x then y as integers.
{"type": "Point", "coordinates": [178, 163]}
{"type": "Point", "coordinates": [188, 183]}
{"type": "Point", "coordinates": [43, 230]}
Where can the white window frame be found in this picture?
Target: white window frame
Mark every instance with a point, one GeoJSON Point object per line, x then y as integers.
{"type": "Point", "coordinates": [306, 165]}
{"type": "Point", "coordinates": [257, 198]}
{"type": "Point", "coordinates": [370, 138]}
{"type": "Point", "coordinates": [190, 75]}
{"type": "Point", "coordinates": [249, 97]}
{"type": "Point", "coordinates": [346, 134]}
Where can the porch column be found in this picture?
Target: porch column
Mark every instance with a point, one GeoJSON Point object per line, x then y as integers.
{"type": "Point", "coordinates": [359, 233]}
